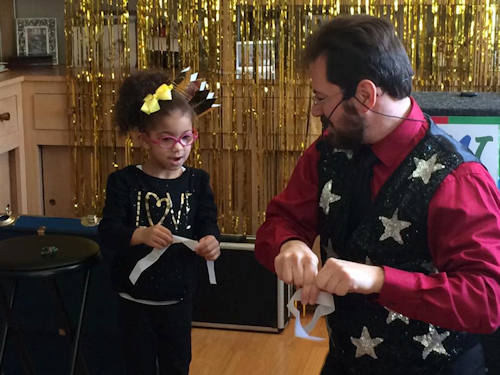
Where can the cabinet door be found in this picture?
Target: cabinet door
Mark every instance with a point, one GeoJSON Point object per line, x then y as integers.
{"type": "Point", "coordinates": [5, 197]}
{"type": "Point", "coordinates": [58, 190]}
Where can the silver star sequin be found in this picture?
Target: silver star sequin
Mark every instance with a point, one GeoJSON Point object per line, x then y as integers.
{"type": "Point", "coordinates": [327, 197]}
{"type": "Point", "coordinates": [330, 253]}
{"type": "Point", "coordinates": [348, 153]}
{"type": "Point", "coordinates": [425, 168]}
{"type": "Point", "coordinates": [365, 344]}
{"type": "Point", "coordinates": [368, 261]}
{"type": "Point", "coordinates": [429, 266]}
{"type": "Point", "coordinates": [393, 315]}
{"type": "Point", "coordinates": [393, 227]}
{"type": "Point", "coordinates": [432, 341]}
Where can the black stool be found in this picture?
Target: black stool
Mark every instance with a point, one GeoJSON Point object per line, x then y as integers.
{"type": "Point", "coordinates": [44, 257]}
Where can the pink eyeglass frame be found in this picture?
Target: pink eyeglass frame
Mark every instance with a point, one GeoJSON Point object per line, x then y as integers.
{"type": "Point", "coordinates": [177, 140]}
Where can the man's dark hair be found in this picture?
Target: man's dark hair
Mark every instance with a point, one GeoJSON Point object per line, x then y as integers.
{"type": "Point", "coordinates": [362, 47]}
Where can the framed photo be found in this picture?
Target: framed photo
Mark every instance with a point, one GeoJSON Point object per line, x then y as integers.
{"type": "Point", "coordinates": [37, 37]}
{"type": "Point", "coordinates": [245, 55]}
{"type": "Point", "coordinates": [112, 43]}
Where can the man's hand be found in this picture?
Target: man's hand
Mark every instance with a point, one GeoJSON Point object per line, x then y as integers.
{"type": "Point", "coordinates": [341, 277]}
{"type": "Point", "coordinates": [208, 248]}
{"type": "Point", "coordinates": [156, 236]}
{"type": "Point", "coordinates": [297, 264]}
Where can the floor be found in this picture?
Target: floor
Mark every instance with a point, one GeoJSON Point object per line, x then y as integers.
{"type": "Point", "coordinates": [225, 352]}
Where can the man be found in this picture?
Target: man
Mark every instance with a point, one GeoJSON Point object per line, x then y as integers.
{"type": "Point", "coordinates": [415, 268]}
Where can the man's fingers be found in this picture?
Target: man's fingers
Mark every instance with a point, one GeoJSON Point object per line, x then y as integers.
{"type": "Point", "coordinates": [313, 294]}
{"type": "Point", "coordinates": [287, 273]}
{"type": "Point", "coordinates": [305, 294]}
{"type": "Point", "coordinates": [342, 288]}
{"type": "Point", "coordinates": [322, 279]}
{"type": "Point", "coordinates": [298, 273]}
{"type": "Point", "coordinates": [310, 272]}
{"type": "Point", "coordinates": [333, 285]}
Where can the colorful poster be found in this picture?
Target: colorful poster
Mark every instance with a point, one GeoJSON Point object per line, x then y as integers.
{"type": "Point", "coordinates": [480, 135]}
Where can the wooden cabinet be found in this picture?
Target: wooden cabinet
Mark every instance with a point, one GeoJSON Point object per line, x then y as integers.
{"type": "Point", "coordinates": [9, 123]}
{"type": "Point", "coordinates": [33, 113]}
{"type": "Point", "coordinates": [13, 189]}
{"type": "Point", "coordinates": [36, 159]}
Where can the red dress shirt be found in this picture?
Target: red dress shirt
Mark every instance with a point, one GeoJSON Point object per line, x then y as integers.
{"type": "Point", "coordinates": [463, 236]}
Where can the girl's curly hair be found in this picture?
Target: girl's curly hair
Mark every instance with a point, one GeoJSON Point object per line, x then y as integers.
{"type": "Point", "coordinates": [128, 114]}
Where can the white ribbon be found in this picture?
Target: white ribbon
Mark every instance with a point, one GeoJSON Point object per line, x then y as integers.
{"type": "Point", "coordinates": [325, 307]}
{"type": "Point", "coordinates": [155, 254]}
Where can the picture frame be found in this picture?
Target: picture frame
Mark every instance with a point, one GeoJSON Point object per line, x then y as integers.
{"type": "Point", "coordinates": [245, 55]}
{"type": "Point", "coordinates": [37, 37]}
{"type": "Point", "coordinates": [112, 43]}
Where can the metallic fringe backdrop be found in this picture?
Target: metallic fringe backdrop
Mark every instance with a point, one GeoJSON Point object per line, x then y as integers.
{"type": "Point", "coordinates": [251, 54]}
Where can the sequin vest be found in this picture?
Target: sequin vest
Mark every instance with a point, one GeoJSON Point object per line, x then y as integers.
{"type": "Point", "coordinates": [368, 338]}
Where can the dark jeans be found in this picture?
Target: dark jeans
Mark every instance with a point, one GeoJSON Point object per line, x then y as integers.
{"type": "Point", "coordinates": [156, 334]}
{"type": "Point", "coordinates": [471, 362]}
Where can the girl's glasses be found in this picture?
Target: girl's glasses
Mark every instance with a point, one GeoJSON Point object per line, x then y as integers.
{"type": "Point", "coordinates": [169, 141]}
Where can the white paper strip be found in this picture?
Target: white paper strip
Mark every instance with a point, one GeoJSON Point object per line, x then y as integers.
{"type": "Point", "coordinates": [325, 307]}
{"type": "Point", "coordinates": [145, 263]}
{"type": "Point", "coordinates": [211, 272]}
{"type": "Point", "coordinates": [155, 254]}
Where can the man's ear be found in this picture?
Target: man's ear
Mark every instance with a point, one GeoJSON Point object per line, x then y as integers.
{"type": "Point", "coordinates": [366, 93]}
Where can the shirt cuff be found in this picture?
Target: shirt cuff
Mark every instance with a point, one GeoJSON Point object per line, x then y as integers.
{"type": "Point", "coordinates": [398, 289]}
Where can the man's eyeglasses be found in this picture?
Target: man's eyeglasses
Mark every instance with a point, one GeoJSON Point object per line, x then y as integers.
{"type": "Point", "coordinates": [169, 141]}
{"type": "Point", "coordinates": [317, 101]}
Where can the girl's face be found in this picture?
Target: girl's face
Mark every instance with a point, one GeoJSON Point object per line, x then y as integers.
{"type": "Point", "coordinates": [167, 162]}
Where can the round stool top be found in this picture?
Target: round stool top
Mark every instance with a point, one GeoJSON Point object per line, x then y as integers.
{"type": "Point", "coordinates": [45, 256]}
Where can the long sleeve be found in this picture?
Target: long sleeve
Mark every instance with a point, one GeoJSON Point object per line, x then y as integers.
{"type": "Point", "coordinates": [206, 215]}
{"type": "Point", "coordinates": [464, 240]}
{"type": "Point", "coordinates": [113, 230]}
{"type": "Point", "coordinates": [291, 214]}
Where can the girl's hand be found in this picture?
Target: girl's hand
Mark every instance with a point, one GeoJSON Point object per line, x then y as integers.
{"type": "Point", "coordinates": [208, 248]}
{"type": "Point", "coordinates": [156, 236]}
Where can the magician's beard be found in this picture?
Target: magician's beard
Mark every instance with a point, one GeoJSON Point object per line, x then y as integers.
{"type": "Point", "coordinates": [350, 136]}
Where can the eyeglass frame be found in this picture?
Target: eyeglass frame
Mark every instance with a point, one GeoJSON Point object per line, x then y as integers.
{"type": "Point", "coordinates": [316, 101]}
{"type": "Point", "coordinates": [176, 139]}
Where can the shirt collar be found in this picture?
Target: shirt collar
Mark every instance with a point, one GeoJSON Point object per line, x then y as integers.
{"type": "Point", "coordinates": [397, 144]}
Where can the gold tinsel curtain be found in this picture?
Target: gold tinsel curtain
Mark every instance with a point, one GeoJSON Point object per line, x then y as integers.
{"type": "Point", "coordinates": [251, 52]}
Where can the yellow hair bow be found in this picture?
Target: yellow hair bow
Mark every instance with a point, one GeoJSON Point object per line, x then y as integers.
{"type": "Point", "coordinates": [151, 105]}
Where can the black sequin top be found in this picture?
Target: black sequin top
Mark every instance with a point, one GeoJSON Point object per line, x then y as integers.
{"type": "Point", "coordinates": [184, 205]}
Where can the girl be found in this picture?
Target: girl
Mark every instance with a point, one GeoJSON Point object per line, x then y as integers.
{"type": "Point", "coordinates": [145, 206]}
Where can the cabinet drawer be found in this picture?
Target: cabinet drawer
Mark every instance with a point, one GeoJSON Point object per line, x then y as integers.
{"type": "Point", "coordinates": [8, 109]}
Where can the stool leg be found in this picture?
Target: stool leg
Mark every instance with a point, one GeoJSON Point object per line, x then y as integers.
{"type": "Point", "coordinates": [65, 318]}
{"type": "Point", "coordinates": [5, 327]}
{"type": "Point", "coordinates": [76, 338]}
{"type": "Point", "coordinates": [10, 322]}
